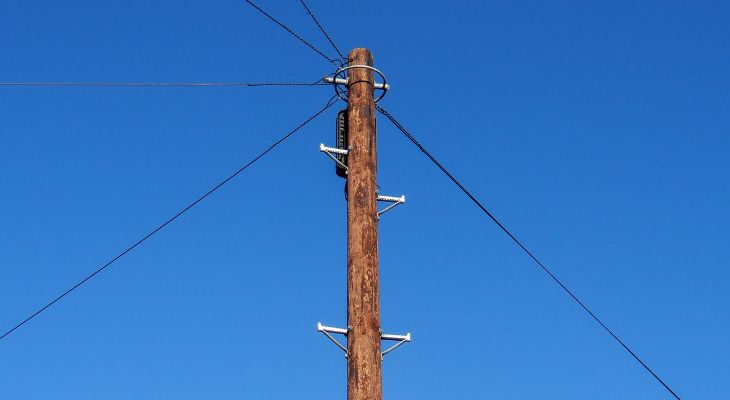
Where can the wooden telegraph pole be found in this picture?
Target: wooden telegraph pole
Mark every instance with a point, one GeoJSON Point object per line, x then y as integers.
{"type": "Point", "coordinates": [356, 139]}
{"type": "Point", "coordinates": [364, 373]}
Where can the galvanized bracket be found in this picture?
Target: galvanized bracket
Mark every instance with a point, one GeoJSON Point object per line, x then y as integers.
{"type": "Point", "coordinates": [401, 339]}
{"type": "Point", "coordinates": [395, 201]}
{"type": "Point", "coordinates": [340, 83]}
{"type": "Point", "coordinates": [331, 151]}
{"type": "Point", "coordinates": [329, 330]}
{"type": "Point", "coordinates": [345, 81]}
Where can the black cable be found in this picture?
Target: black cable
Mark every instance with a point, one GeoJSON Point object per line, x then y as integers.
{"type": "Point", "coordinates": [321, 28]}
{"type": "Point", "coordinates": [528, 252]}
{"type": "Point", "coordinates": [292, 32]}
{"type": "Point", "coordinates": [157, 84]}
{"type": "Point", "coordinates": [331, 101]}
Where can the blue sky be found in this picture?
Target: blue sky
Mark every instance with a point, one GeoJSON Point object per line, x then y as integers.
{"type": "Point", "coordinates": [597, 131]}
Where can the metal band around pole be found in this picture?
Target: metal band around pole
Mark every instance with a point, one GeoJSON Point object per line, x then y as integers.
{"type": "Point", "coordinates": [384, 87]}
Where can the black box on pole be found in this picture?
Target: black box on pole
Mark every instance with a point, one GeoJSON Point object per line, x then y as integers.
{"type": "Point", "coordinates": [341, 142]}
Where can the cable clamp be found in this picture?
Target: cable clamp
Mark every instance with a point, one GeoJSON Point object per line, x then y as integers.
{"type": "Point", "coordinates": [338, 81]}
{"type": "Point", "coordinates": [345, 81]}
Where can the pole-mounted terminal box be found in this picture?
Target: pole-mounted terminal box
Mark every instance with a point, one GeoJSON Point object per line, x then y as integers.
{"type": "Point", "coordinates": [341, 144]}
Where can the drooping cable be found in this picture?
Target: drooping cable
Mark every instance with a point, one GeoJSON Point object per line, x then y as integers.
{"type": "Point", "coordinates": [301, 39]}
{"type": "Point", "coordinates": [522, 246]}
{"type": "Point", "coordinates": [329, 104]}
{"type": "Point", "coordinates": [321, 28]}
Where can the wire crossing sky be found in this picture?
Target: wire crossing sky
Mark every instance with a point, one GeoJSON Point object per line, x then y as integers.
{"type": "Point", "coordinates": [597, 130]}
{"type": "Point", "coordinates": [324, 32]}
{"type": "Point", "coordinates": [168, 221]}
{"type": "Point", "coordinates": [522, 246]}
{"type": "Point", "coordinates": [158, 84]}
{"type": "Point", "coordinates": [296, 35]}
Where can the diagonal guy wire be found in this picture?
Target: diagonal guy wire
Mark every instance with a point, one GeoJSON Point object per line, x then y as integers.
{"type": "Point", "coordinates": [301, 39]}
{"type": "Point", "coordinates": [522, 246]}
{"type": "Point", "coordinates": [321, 28]}
{"type": "Point", "coordinates": [329, 104]}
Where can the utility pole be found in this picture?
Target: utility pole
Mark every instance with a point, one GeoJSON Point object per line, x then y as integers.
{"type": "Point", "coordinates": [356, 160]}
{"type": "Point", "coordinates": [364, 361]}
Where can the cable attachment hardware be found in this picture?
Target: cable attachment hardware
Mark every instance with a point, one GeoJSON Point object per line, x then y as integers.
{"type": "Point", "coordinates": [332, 153]}
{"type": "Point", "coordinates": [401, 339]}
{"type": "Point", "coordinates": [329, 330]}
{"type": "Point", "coordinates": [339, 81]}
{"type": "Point", "coordinates": [395, 201]}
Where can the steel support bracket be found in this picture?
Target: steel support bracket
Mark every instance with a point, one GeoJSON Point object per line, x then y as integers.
{"type": "Point", "coordinates": [400, 339]}
{"type": "Point", "coordinates": [394, 202]}
{"type": "Point", "coordinates": [328, 331]}
{"type": "Point", "coordinates": [331, 151]}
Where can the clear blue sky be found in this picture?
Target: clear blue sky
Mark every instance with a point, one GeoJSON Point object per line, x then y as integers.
{"type": "Point", "coordinates": [598, 131]}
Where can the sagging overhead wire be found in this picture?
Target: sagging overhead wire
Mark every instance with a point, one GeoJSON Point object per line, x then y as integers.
{"type": "Point", "coordinates": [321, 28]}
{"type": "Point", "coordinates": [187, 208]}
{"type": "Point", "coordinates": [301, 39]}
{"type": "Point", "coordinates": [522, 246]}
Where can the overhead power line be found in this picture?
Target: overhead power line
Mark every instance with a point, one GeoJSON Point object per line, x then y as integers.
{"type": "Point", "coordinates": [296, 35]}
{"type": "Point", "coordinates": [158, 84]}
{"type": "Point", "coordinates": [321, 28]}
{"type": "Point", "coordinates": [329, 104]}
{"type": "Point", "coordinates": [522, 246]}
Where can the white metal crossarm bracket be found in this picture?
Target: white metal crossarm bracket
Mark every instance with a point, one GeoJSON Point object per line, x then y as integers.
{"type": "Point", "coordinates": [331, 151]}
{"type": "Point", "coordinates": [395, 201]}
{"type": "Point", "coordinates": [328, 331]}
{"type": "Point", "coordinates": [401, 339]}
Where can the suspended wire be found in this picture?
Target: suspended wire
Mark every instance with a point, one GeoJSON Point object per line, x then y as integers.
{"type": "Point", "coordinates": [329, 104]}
{"type": "Point", "coordinates": [321, 28]}
{"type": "Point", "coordinates": [517, 241]}
{"type": "Point", "coordinates": [158, 84]}
{"type": "Point", "coordinates": [301, 39]}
